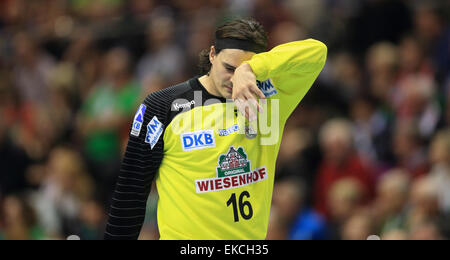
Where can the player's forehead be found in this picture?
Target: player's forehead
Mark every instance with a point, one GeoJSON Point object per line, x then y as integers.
{"type": "Point", "coordinates": [234, 57]}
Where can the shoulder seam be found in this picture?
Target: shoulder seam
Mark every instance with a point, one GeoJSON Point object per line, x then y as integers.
{"type": "Point", "coordinates": [160, 102]}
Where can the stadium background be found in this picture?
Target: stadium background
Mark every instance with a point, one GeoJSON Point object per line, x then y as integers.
{"type": "Point", "coordinates": [367, 151]}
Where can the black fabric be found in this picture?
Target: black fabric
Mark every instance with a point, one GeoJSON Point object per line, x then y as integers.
{"type": "Point", "coordinates": [139, 167]}
{"type": "Point", "coordinates": [231, 43]}
{"type": "Point", "coordinates": [13, 164]}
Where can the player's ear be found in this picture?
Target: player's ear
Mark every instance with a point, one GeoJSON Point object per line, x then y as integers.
{"type": "Point", "coordinates": [212, 54]}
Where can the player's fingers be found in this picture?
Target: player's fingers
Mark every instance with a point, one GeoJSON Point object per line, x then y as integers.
{"type": "Point", "coordinates": [254, 88]}
{"type": "Point", "coordinates": [255, 105]}
{"type": "Point", "coordinates": [251, 115]}
{"type": "Point", "coordinates": [240, 106]}
{"type": "Point", "coordinates": [245, 108]}
{"type": "Point", "coordinates": [251, 105]}
{"type": "Point", "coordinates": [258, 105]}
{"type": "Point", "coordinates": [258, 93]}
{"type": "Point", "coordinates": [247, 114]}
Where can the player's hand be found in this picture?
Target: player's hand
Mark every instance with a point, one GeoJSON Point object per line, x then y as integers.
{"type": "Point", "coordinates": [246, 92]}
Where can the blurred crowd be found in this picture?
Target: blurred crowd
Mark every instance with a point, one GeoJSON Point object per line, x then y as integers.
{"type": "Point", "coordinates": [367, 152]}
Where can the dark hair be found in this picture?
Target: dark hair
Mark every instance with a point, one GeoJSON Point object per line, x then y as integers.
{"type": "Point", "coordinates": [241, 29]}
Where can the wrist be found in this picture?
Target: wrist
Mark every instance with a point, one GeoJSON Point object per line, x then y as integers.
{"type": "Point", "coordinates": [245, 67]}
{"type": "Point", "coordinates": [245, 71]}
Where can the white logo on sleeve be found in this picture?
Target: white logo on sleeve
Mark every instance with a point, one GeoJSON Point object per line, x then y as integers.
{"type": "Point", "coordinates": [154, 131]}
{"type": "Point", "coordinates": [198, 140]}
{"type": "Point", "coordinates": [138, 121]}
{"type": "Point", "coordinates": [267, 88]}
{"type": "Point", "coordinates": [186, 105]}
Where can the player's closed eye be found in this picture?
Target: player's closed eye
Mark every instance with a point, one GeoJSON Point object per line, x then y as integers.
{"type": "Point", "coordinates": [230, 69]}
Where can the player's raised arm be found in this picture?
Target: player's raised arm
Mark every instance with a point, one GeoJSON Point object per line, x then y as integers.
{"type": "Point", "coordinates": [293, 61]}
{"type": "Point", "coordinates": [286, 72]}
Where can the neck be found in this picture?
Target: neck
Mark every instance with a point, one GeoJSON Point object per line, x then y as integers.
{"type": "Point", "coordinates": [208, 83]}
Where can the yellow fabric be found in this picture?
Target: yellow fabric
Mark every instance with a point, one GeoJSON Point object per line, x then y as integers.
{"type": "Point", "coordinates": [238, 207]}
{"type": "Point", "coordinates": [293, 67]}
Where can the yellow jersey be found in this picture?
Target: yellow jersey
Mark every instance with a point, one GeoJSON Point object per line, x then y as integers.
{"type": "Point", "coordinates": [214, 170]}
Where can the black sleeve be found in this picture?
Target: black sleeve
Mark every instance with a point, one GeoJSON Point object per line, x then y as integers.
{"type": "Point", "coordinates": [139, 167]}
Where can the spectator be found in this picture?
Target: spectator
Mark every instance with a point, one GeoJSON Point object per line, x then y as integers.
{"type": "Point", "coordinates": [439, 156]}
{"type": "Point", "coordinates": [413, 97]}
{"type": "Point", "coordinates": [347, 75]}
{"type": "Point", "coordinates": [291, 162]}
{"type": "Point", "coordinates": [277, 229]}
{"type": "Point", "coordinates": [382, 62]}
{"type": "Point", "coordinates": [396, 234]}
{"type": "Point", "coordinates": [18, 220]}
{"type": "Point", "coordinates": [32, 69]}
{"type": "Point", "coordinates": [302, 223]}
{"type": "Point", "coordinates": [426, 231]}
{"type": "Point", "coordinates": [105, 117]}
{"type": "Point", "coordinates": [339, 161]}
{"type": "Point", "coordinates": [358, 227]}
{"type": "Point", "coordinates": [345, 199]}
{"type": "Point", "coordinates": [423, 200]}
{"type": "Point", "coordinates": [13, 158]}
{"type": "Point", "coordinates": [65, 186]}
{"type": "Point", "coordinates": [85, 59]}
{"type": "Point", "coordinates": [92, 220]}
{"type": "Point", "coordinates": [164, 57]}
{"type": "Point", "coordinates": [433, 31]}
{"type": "Point", "coordinates": [408, 149]}
{"type": "Point", "coordinates": [371, 133]}
{"type": "Point", "coordinates": [389, 207]}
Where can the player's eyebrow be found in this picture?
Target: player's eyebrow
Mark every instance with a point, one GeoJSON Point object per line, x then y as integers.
{"type": "Point", "coordinates": [228, 66]}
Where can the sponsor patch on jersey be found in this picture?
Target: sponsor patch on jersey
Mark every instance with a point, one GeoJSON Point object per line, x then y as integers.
{"type": "Point", "coordinates": [138, 121]}
{"type": "Point", "coordinates": [154, 132]}
{"type": "Point", "coordinates": [233, 171]}
{"type": "Point", "coordinates": [177, 106]}
{"type": "Point", "coordinates": [198, 140]}
{"type": "Point", "coordinates": [232, 163]}
{"type": "Point", "coordinates": [231, 182]}
{"type": "Point", "coordinates": [267, 88]}
{"type": "Point", "coordinates": [228, 131]}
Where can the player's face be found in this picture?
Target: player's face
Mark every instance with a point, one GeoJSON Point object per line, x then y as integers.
{"type": "Point", "coordinates": [223, 66]}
